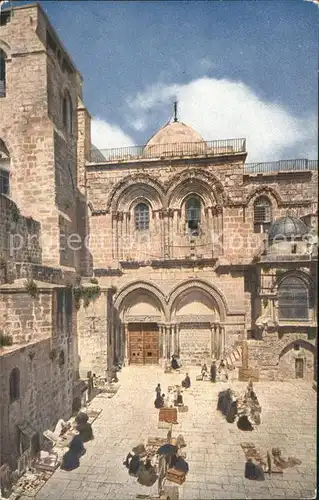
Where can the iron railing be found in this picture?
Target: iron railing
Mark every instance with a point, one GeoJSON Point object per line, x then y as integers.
{"type": "Point", "coordinates": [209, 148]}
{"type": "Point", "coordinates": [280, 166]}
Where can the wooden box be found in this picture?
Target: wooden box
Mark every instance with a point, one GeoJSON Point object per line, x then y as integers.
{"type": "Point", "coordinates": [175, 476]}
{"type": "Point", "coordinates": [168, 415]}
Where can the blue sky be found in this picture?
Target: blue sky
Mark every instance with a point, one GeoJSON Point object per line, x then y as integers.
{"type": "Point", "coordinates": [135, 57]}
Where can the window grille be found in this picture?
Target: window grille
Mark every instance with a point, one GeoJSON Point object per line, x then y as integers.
{"type": "Point", "coordinates": [14, 384]}
{"type": "Point", "coordinates": [2, 73]}
{"type": "Point", "coordinates": [262, 214]}
{"type": "Point", "coordinates": [293, 300]}
{"type": "Point", "coordinates": [141, 217]}
{"type": "Point", "coordinates": [193, 213]}
{"type": "Point", "coordinates": [4, 181]}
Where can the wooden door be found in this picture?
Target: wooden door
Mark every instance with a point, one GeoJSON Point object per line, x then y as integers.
{"type": "Point", "coordinates": [299, 368]}
{"type": "Point", "coordinates": [136, 347]}
{"type": "Point", "coordinates": [143, 344]}
{"type": "Point", "coordinates": [150, 346]}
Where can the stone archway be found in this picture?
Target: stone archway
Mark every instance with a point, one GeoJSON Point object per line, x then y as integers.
{"type": "Point", "coordinates": [141, 312]}
{"type": "Point", "coordinates": [196, 314]}
{"type": "Point", "coordinates": [298, 360]}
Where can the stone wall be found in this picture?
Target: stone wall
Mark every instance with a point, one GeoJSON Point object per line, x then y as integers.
{"type": "Point", "coordinates": [19, 235]}
{"type": "Point", "coordinates": [95, 332]}
{"type": "Point", "coordinates": [40, 148]}
{"type": "Point", "coordinates": [275, 354]}
{"type": "Point", "coordinates": [227, 229]}
{"type": "Point", "coordinates": [45, 393]}
{"type": "Point", "coordinates": [23, 317]}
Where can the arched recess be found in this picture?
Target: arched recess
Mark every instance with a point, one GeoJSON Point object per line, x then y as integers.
{"type": "Point", "coordinates": [301, 343]}
{"type": "Point", "coordinates": [195, 181]}
{"type": "Point", "coordinates": [208, 290]}
{"type": "Point", "coordinates": [266, 191]}
{"type": "Point", "coordinates": [195, 301]}
{"type": "Point", "coordinates": [129, 295]}
{"type": "Point", "coordinates": [295, 273]}
{"type": "Point", "coordinates": [298, 359]}
{"type": "Point", "coordinates": [132, 186]}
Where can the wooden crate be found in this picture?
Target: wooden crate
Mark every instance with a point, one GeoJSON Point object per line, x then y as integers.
{"type": "Point", "coordinates": [175, 476]}
{"type": "Point", "coordinates": [168, 415]}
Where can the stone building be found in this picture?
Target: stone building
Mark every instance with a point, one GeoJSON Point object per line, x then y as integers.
{"type": "Point", "coordinates": [41, 145]}
{"type": "Point", "coordinates": [187, 233]}
{"type": "Point", "coordinates": [184, 253]}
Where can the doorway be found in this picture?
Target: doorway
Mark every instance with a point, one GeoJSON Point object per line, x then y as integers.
{"type": "Point", "coordinates": [143, 343]}
{"type": "Point", "coordinates": [299, 367]}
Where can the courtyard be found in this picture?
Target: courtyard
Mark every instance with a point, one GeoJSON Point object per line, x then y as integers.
{"type": "Point", "coordinates": [215, 457]}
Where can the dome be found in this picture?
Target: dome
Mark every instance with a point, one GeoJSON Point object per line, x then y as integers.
{"type": "Point", "coordinates": [287, 227]}
{"type": "Point", "coordinates": [174, 133]}
{"type": "Point", "coordinates": [96, 155]}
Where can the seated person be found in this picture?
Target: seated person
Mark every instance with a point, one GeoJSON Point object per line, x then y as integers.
{"type": "Point", "coordinates": [71, 459]}
{"type": "Point", "coordinates": [253, 471]}
{"type": "Point", "coordinates": [204, 371]}
{"type": "Point", "coordinates": [186, 383]}
{"type": "Point", "coordinates": [83, 427]}
{"type": "Point", "coordinates": [174, 363]}
{"type": "Point", "coordinates": [179, 463]}
{"type": "Point", "coordinates": [159, 401]}
{"type": "Point", "coordinates": [132, 463]}
{"type": "Point", "coordinates": [179, 399]}
{"type": "Point", "coordinates": [146, 475]}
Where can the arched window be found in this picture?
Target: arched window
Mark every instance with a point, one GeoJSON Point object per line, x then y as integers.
{"type": "Point", "coordinates": [3, 59]}
{"type": "Point", "coordinates": [67, 113]}
{"type": "Point", "coordinates": [142, 217]}
{"type": "Point", "coordinates": [262, 214]}
{"type": "Point", "coordinates": [14, 384]}
{"type": "Point", "coordinates": [192, 213]}
{"type": "Point", "coordinates": [293, 300]}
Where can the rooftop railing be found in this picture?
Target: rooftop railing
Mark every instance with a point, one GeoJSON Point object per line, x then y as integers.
{"type": "Point", "coordinates": [159, 151]}
{"type": "Point", "coordinates": [280, 166]}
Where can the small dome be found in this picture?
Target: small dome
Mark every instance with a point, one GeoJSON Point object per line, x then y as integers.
{"type": "Point", "coordinates": [174, 133]}
{"type": "Point", "coordinates": [287, 227]}
{"type": "Point", "coordinates": [96, 155]}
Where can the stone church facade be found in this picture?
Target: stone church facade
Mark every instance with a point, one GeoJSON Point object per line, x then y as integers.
{"type": "Point", "coordinates": [176, 247]}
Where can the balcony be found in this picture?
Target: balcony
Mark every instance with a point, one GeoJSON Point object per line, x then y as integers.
{"type": "Point", "coordinates": [168, 151]}
{"type": "Point", "coordinates": [280, 166]}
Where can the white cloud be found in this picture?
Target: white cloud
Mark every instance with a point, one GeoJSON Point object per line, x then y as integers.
{"type": "Point", "coordinates": [224, 109]}
{"type": "Point", "coordinates": [106, 135]}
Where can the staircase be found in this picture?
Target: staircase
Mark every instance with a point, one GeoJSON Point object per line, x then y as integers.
{"type": "Point", "coordinates": [235, 357]}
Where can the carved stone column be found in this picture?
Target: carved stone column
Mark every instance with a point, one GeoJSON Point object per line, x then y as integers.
{"type": "Point", "coordinates": [164, 342]}
{"type": "Point", "coordinates": [127, 340]}
{"type": "Point", "coordinates": [178, 346]}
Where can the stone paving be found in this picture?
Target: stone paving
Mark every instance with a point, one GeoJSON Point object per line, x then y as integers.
{"type": "Point", "coordinates": [215, 457]}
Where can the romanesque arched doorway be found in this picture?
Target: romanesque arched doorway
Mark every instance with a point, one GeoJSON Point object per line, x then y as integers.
{"type": "Point", "coordinates": [199, 331]}
{"type": "Point", "coordinates": [141, 314]}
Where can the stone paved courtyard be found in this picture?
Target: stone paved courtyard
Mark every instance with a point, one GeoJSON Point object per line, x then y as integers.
{"type": "Point", "coordinates": [215, 457]}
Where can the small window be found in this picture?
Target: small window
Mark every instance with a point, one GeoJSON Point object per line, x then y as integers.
{"type": "Point", "coordinates": [294, 248]}
{"type": "Point", "coordinates": [3, 63]}
{"type": "Point", "coordinates": [293, 301]}
{"type": "Point", "coordinates": [142, 217]}
{"type": "Point", "coordinates": [297, 347]}
{"type": "Point", "coordinates": [193, 212]}
{"type": "Point", "coordinates": [262, 214]}
{"type": "Point", "coordinates": [4, 181]}
{"type": "Point", "coordinates": [67, 113]}
{"type": "Point", "coordinates": [14, 384]}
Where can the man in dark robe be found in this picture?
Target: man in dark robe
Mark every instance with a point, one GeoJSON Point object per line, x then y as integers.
{"type": "Point", "coordinates": [71, 459]}
{"type": "Point", "coordinates": [83, 427]}
{"type": "Point", "coordinates": [146, 475]}
{"type": "Point", "coordinates": [158, 389]}
{"type": "Point", "coordinates": [213, 371]}
{"type": "Point", "coordinates": [186, 383]}
{"type": "Point", "coordinates": [159, 401]}
{"type": "Point", "coordinates": [132, 463]}
{"type": "Point", "coordinates": [174, 363]}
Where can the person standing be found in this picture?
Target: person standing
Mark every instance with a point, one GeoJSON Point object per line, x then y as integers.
{"type": "Point", "coordinates": [158, 389]}
{"type": "Point", "coordinates": [213, 371]}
